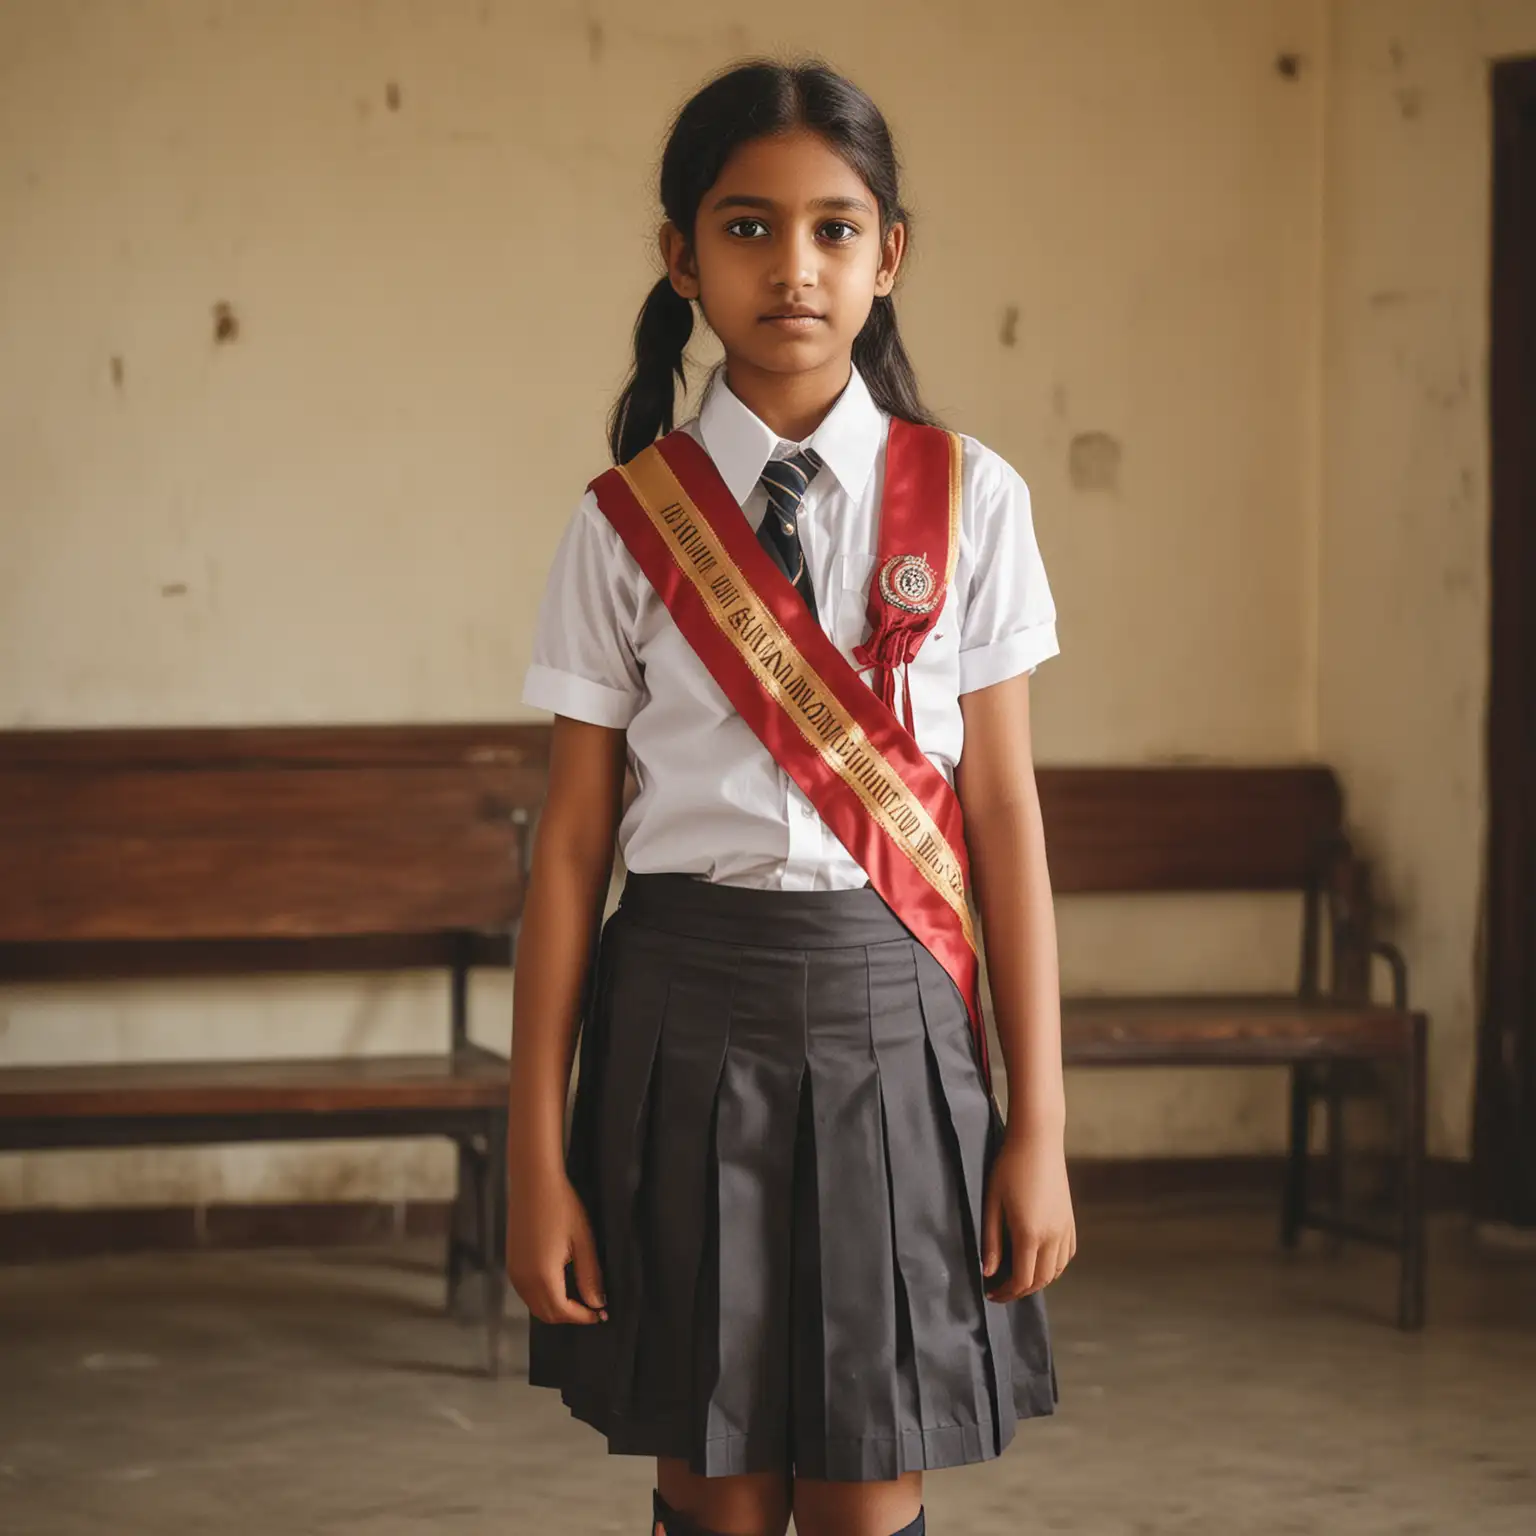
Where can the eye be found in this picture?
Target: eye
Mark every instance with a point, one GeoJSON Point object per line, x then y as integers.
{"type": "Point", "coordinates": [839, 231]}
{"type": "Point", "coordinates": [747, 229]}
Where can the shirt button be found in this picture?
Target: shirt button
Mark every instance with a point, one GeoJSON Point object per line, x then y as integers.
{"type": "Point", "coordinates": [807, 811]}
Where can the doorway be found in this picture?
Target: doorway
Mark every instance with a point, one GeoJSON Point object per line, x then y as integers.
{"type": "Point", "coordinates": [1504, 1134]}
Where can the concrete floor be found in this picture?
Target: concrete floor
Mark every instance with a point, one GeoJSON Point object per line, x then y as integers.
{"type": "Point", "coordinates": [1209, 1386]}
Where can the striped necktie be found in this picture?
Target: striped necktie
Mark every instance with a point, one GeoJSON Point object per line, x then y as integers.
{"type": "Point", "coordinates": [786, 481]}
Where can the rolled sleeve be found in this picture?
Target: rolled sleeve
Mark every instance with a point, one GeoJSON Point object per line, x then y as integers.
{"type": "Point", "coordinates": [564, 693]}
{"type": "Point", "coordinates": [1009, 625]}
{"type": "Point", "coordinates": [584, 664]}
{"type": "Point", "coordinates": [990, 664]}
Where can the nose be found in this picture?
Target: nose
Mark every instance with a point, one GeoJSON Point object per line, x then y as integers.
{"type": "Point", "coordinates": [794, 260]}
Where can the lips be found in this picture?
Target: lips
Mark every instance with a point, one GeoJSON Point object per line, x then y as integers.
{"type": "Point", "coordinates": [793, 319]}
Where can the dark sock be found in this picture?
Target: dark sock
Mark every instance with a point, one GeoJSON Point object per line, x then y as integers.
{"type": "Point", "coordinates": [918, 1527]}
{"type": "Point", "coordinates": [675, 1524]}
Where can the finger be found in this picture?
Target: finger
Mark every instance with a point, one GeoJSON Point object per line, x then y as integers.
{"type": "Point", "coordinates": [589, 1274]}
{"type": "Point", "coordinates": [991, 1233]}
{"type": "Point", "coordinates": [1029, 1276]}
{"type": "Point", "coordinates": [553, 1298]}
{"type": "Point", "coordinates": [1025, 1258]}
{"type": "Point", "coordinates": [556, 1307]}
{"type": "Point", "coordinates": [1035, 1279]}
{"type": "Point", "coordinates": [1057, 1264]}
{"type": "Point", "coordinates": [1052, 1261]}
{"type": "Point", "coordinates": [1046, 1268]}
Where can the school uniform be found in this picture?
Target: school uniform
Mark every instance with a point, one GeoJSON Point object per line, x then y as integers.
{"type": "Point", "coordinates": [782, 1129]}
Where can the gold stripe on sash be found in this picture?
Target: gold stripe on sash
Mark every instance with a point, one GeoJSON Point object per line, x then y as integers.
{"type": "Point", "coordinates": [784, 673]}
{"type": "Point", "coordinates": [956, 470]}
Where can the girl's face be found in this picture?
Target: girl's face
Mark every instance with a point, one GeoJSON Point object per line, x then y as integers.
{"type": "Point", "coordinates": [787, 255]}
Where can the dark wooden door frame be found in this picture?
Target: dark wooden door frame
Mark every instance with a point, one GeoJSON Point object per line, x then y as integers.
{"type": "Point", "coordinates": [1504, 1135]}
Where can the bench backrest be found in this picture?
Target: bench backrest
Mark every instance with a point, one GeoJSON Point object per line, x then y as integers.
{"type": "Point", "coordinates": [301, 833]}
{"type": "Point", "coordinates": [288, 834]}
{"type": "Point", "coordinates": [1190, 829]}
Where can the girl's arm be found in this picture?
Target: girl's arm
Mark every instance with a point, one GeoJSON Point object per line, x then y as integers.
{"type": "Point", "coordinates": [1028, 1186]}
{"type": "Point", "coordinates": [568, 884]}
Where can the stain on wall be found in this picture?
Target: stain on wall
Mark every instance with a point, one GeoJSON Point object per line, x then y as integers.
{"type": "Point", "coordinates": [1094, 462]}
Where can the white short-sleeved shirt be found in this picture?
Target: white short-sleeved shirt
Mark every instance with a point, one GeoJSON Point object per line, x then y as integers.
{"type": "Point", "coordinates": [712, 801]}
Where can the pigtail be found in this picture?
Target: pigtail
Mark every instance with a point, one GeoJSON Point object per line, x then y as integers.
{"type": "Point", "coordinates": [645, 410]}
{"type": "Point", "coordinates": [882, 361]}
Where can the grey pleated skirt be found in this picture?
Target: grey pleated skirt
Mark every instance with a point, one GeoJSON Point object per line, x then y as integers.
{"type": "Point", "coordinates": [781, 1136]}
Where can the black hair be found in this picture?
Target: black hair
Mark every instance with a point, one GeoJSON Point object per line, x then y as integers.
{"type": "Point", "coordinates": [753, 101]}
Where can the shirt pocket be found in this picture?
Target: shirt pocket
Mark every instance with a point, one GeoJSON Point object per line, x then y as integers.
{"type": "Point", "coordinates": [852, 575]}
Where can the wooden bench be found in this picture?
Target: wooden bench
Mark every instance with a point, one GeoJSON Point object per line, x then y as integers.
{"type": "Point", "coordinates": [173, 853]}
{"type": "Point", "coordinates": [1167, 830]}
{"type": "Point", "coordinates": [162, 853]}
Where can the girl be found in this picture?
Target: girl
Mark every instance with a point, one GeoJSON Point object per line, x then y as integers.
{"type": "Point", "coordinates": [792, 1252]}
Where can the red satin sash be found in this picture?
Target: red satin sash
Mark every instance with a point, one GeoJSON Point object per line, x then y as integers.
{"type": "Point", "coordinates": [919, 544]}
{"type": "Point", "coordinates": [840, 742]}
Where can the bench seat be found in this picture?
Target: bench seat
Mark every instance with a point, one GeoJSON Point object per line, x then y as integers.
{"type": "Point", "coordinates": [469, 1079]}
{"type": "Point", "coordinates": [1205, 1030]}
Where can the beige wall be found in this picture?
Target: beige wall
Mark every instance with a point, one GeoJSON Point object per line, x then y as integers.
{"type": "Point", "coordinates": [345, 513]}
{"type": "Point", "coordinates": [1404, 554]}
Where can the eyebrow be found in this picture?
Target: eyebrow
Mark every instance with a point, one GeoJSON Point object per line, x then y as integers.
{"type": "Point", "coordinates": [821, 204]}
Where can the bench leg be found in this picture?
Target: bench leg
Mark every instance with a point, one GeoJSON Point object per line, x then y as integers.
{"type": "Point", "coordinates": [1334, 1098]}
{"type": "Point", "coordinates": [462, 1216]}
{"type": "Point", "coordinates": [1293, 1210]}
{"type": "Point", "coordinates": [493, 1240]}
{"type": "Point", "coordinates": [1411, 1284]}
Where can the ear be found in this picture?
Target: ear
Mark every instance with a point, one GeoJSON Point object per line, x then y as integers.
{"type": "Point", "coordinates": [681, 266]}
{"type": "Point", "coordinates": [892, 250]}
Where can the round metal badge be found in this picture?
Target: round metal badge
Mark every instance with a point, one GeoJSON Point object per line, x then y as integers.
{"type": "Point", "coordinates": [908, 582]}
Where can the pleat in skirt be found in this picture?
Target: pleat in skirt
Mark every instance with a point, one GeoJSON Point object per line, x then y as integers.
{"type": "Point", "coordinates": [781, 1136]}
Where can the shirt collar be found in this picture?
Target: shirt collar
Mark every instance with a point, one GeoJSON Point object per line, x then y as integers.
{"type": "Point", "coordinates": [848, 438]}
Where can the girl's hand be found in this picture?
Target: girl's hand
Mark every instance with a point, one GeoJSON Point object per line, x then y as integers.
{"type": "Point", "coordinates": [1028, 1189]}
{"type": "Point", "coordinates": [547, 1228]}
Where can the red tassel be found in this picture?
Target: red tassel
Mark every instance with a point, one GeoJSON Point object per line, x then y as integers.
{"type": "Point", "coordinates": [891, 647]}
